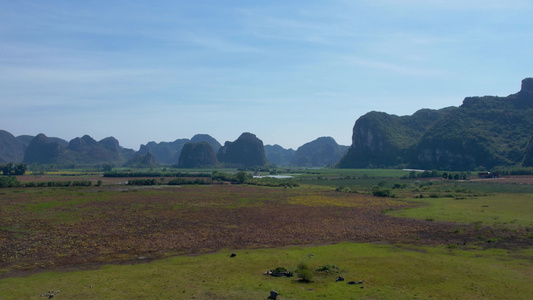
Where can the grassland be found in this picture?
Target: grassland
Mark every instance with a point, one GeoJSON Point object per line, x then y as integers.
{"type": "Point", "coordinates": [498, 210]}
{"type": "Point", "coordinates": [387, 272]}
{"type": "Point", "coordinates": [431, 238]}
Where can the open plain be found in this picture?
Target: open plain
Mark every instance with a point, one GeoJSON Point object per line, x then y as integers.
{"type": "Point", "coordinates": [171, 229]}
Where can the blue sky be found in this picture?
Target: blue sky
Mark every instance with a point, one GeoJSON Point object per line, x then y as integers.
{"type": "Point", "coordinates": [288, 71]}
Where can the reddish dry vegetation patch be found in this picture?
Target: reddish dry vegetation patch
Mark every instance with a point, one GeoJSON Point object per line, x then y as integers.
{"type": "Point", "coordinates": [522, 179]}
{"type": "Point", "coordinates": [56, 227]}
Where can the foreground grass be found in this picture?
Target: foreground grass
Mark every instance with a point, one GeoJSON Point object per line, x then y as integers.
{"type": "Point", "coordinates": [388, 272]}
{"type": "Point", "coordinates": [508, 210]}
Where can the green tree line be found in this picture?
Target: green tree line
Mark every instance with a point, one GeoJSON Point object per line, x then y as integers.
{"type": "Point", "coordinates": [13, 169]}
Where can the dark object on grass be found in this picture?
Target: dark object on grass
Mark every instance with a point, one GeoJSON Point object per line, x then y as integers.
{"type": "Point", "coordinates": [362, 287]}
{"type": "Point", "coordinates": [233, 255]}
{"type": "Point", "coordinates": [279, 272]}
{"type": "Point", "coordinates": [339, 278]}
{"type": "Point", "coordinates": [352, 282]}
{"type": "Point", "coordinates": [273, 295]}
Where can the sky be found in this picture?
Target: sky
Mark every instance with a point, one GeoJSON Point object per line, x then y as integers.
{"type": "Point", "coordinates": [287, 71]}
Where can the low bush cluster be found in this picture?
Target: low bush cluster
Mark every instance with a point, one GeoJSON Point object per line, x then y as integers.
{"type": "Point", "coordinates": [183, 181]}
{"type": "Point", "coordinates": [57, 183]}
{"type": "Point", "coordinates": [381, 192]}
{"type": "Point", "coordinates": [11, 181]}
{"type": "Point", "coordinates": [272, 182]}
{"type": "Point", "coordinates": [143, 182]}
{"type": "Point", "coordinates": [129, 174]}
{"type": "Point", "coordinates": [8, 181]}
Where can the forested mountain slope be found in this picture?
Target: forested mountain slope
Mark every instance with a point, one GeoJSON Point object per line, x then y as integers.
{"type": "Point", "coordinates": [484, 132]}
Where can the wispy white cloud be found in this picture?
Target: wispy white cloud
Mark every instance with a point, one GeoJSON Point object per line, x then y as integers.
{"type": "Point", "coordinates": [395, 68]}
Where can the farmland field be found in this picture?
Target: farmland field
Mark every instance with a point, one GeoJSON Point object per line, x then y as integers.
{"type": "Point", "coordinates": [392, 241]}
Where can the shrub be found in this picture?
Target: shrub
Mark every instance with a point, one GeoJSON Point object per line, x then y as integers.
{"type": "Point", "coordinates": [142, 182]}
{"type": "Point", "coordinates": [327, 268]}
{"type": "Point", "coordinates": [458, 230]}
{"type": "Point", "coordinates": [343, 188]}
{"type": "Point", "coordinates": [304, 274]}
{"type": "Point", "coordinates": [82, 183]}
{"type": "Point", "coordinates": [8, 181]}
{"type": "Point", "coordinates": [381, 192]}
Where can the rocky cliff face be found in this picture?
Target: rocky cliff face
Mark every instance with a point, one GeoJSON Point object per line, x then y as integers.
{"type": "Point", "coordinates": [11, 148]}
{"type": "Point", "coordinates": [484, 132]}
{"type": "Point", "coordinates": [198, 138]}
{"type": "Point", "coordinates": [246, 151]}
{"type": "Point", "coordinates": [197, 155]}
{"type": "Point", "coordinates": [279, 156]}
{"type": "Point", "coordinates": [453, 143]}
{"type": "Point", "coordinates": [527, 86]}
{"type": "Point", "coordinates": [43, 150]}
{"type": "Point", "coordinates": [383, 140]}
{"type": "Point", "coordinates": [84, 150]}
{"type": "Point", "coordinates": [165, 152]}
{"type": "Point", "coordinates": [169, 152]}
{"type": "Point", "coordinates": [111, 144]}
{"type": "Point", "coordinates": [321, 152]}
{"type": "Point", "coordinates": [145, 160]}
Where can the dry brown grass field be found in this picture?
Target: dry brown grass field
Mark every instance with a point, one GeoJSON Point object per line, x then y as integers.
{"type": "Point", "coordinates": [49, 228]}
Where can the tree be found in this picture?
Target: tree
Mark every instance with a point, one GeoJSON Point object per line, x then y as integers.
{"type": "Point", "coordinates": [20, 169]}
{"type": "Point", "coordinates": [10, 169]}
{"type": "Point", "coordinates": [108, 167]}
{"type": "Point", "coordinates": [241, 176]}
{"type": "Point", "coordinates": [7, 169]}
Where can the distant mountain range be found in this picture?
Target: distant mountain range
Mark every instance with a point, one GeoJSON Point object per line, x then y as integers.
{"type": "Point", "coordinates": [201, 151]}
{"type": "Point", "coordinates": [483, 133]}
{"type": "Point", "coordinates": [168, 152]}
{"type": "Point", "coordinates": [79, 151]}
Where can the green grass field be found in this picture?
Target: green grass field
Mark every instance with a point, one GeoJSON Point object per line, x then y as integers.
{"type": "Point", "coordinates": [388, 272]}
{"type": "Point", "coordinates": [509, 210]}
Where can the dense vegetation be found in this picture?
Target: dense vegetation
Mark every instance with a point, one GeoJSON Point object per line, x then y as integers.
{"type": "Point", "coordinates": [483, 133]}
